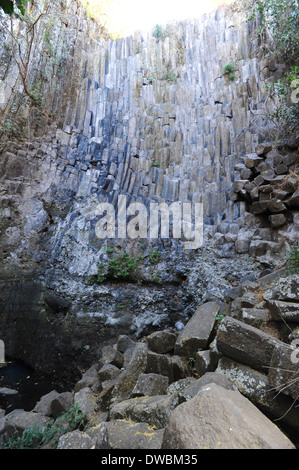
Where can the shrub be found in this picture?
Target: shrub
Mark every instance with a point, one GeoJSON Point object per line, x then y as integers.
{"type": "Point", "coordinates": [154, 256]}
{"type": "Point", "coordinates": [35, 437]}
{"type": "Point", "coordinates": [282, 19]}
{"type": "Point", "coordinates": [122, 266]}
{"type": "Point", "coordinates": [158, 32]}
{"type": "Point", "coordinates": [228, 68]}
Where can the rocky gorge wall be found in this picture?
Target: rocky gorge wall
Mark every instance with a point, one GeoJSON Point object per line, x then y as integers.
{"type": "Point", "coordinates": [154, 119]}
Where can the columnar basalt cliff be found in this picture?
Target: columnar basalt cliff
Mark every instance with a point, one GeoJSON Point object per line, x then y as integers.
{"type": "Point", "coordinates": [154, 119]}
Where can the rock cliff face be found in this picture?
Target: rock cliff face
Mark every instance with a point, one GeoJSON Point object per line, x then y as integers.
{"type": "Point", "coordinates": [154, 119]}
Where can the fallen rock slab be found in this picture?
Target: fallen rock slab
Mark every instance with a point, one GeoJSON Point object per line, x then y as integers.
{"type": "Point", "coordinates": [217, 418]}
{"type": "Point", "coordinates": [257, 388]}
{"type": "Point", "coordinates": [246, 344]}
{"type": "Point", "coordinates": [197, 332]}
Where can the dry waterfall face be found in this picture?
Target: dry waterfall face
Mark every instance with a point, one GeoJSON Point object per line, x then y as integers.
{"type": "Point", "coordinates": [158, 121]}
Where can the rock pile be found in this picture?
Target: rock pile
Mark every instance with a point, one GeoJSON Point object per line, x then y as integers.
{"type": "Point", "coordinates": [221, 382]}
{"type": "Point", "coordinates": [268, 183]}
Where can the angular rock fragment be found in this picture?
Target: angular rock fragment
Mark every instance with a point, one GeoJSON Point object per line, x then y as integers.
{"type": "Point", "coordinates": [246, 344]}
{"type": "Point", "coordinates": [197, 332]}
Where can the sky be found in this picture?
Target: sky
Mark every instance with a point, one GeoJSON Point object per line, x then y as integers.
{"type": "Point", "coordinates": [138, 15]}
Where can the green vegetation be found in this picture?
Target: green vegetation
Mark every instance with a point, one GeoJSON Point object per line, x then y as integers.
{"type": "Point", "coordinates": [154, 256]}
{"type": "Point", "coordinates": [293, 260]}
{"type": "Point", "coordinates": [169, 76]}
{"type": "Point", "coordinates": [282, 19]}
{"type": "Point", "coordinates": [11, 7]}
{"type": "Point", "coordinates": [159, 33]}
{"type": "Point", "coordinates": [228, 68]}
{"type": "Point", "coordinates": [35, 437]}
{"type": "Point", "coordinates": [286, 115]}
{"type": "Point", "coordinates": [122, 266]}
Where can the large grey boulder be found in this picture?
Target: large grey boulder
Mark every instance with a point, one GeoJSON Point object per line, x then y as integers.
{"type": "Point", "coordinates": [18, 420]}
{"type": "Point", "coordinates": [282, 299]}
{"type": "Point", "coordinates": [258, 389]}
{"type": "Point", "coordinates": [61, 403]}
{"type": "Point", "coordinates": [161, 341]}
{"type": "Point", "coordinates": [284, 370]}
{"type": "Point", "coordinates": [126, 381]}
{"type": "Point", "coordinates": [121, 434]}
{"type": "Point", "coordinates": [217, 418]}
{"type": "Point", "coordinates": [150, 385]}
{"type": "Point", "coordinates": [197, 332]}
{"type": "Point", "coordinates": [45, 403]}
{"type": "Point", "coordinates": [246, 344]}
{"type": "Point", "coordinates": [152, 410]}
{"type": "Point", "coordinates": [159, 364]}
{"type": "Point", "coordinates": [75, 440]}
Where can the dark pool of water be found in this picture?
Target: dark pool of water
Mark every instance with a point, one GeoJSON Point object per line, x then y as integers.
{"type": "Point", "coordinates": [29, 385]}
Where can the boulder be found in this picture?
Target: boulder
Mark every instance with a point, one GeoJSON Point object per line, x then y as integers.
{"type": "Point", "coordinates": [217, 418]}
{"type": "Point", "coordinates": [161, 341]}
{"type": "Point", "coordinates": [61, 404]}
{"type": "Point", "coordinates": [192, 389]}
{"type": "Point", "coordinates": [126, 381]}
{"type": "Point", "coordinates": [246, 344]}
{"type": "Point", "coordinates": [196, 334]}
{"type": "Point", "coordinates": [203, 362]}
{"type": "Point", "coordinates": [152, 410]}
{"type": "Point", "coordinates": [252, 160]}
{"type": "Point", "coordinates": [257, 388]}
{"type": "Point", "coordinates": [87, 401]}
{"type": "Point", "coordinates": [108, 372]}
{"type": "Point", "coordinates": [159, 364]}
{"type": "Point", "coordinates": [277, 220]}
{"type": "Point", "coordinates": [284, 370]}
{"type": "Point", "coordinates": [150, 385]}
{"type": "Point", "coordinates": [45, 403]}
{"type": "Point", "coordinates": [121, 434]}
{"type": "Point", "coordinates": [75, 440]}
{"type": "Point", "coordinates": [254, 316]}
{"type": "Point", "coordinates": [18, 420]}
{"type": "Point", "coordinates": [110, 355]}
{"type": "Point", "coordinates": [179, 367]}
{"type": "Point", "coordinates": [282, 299]}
